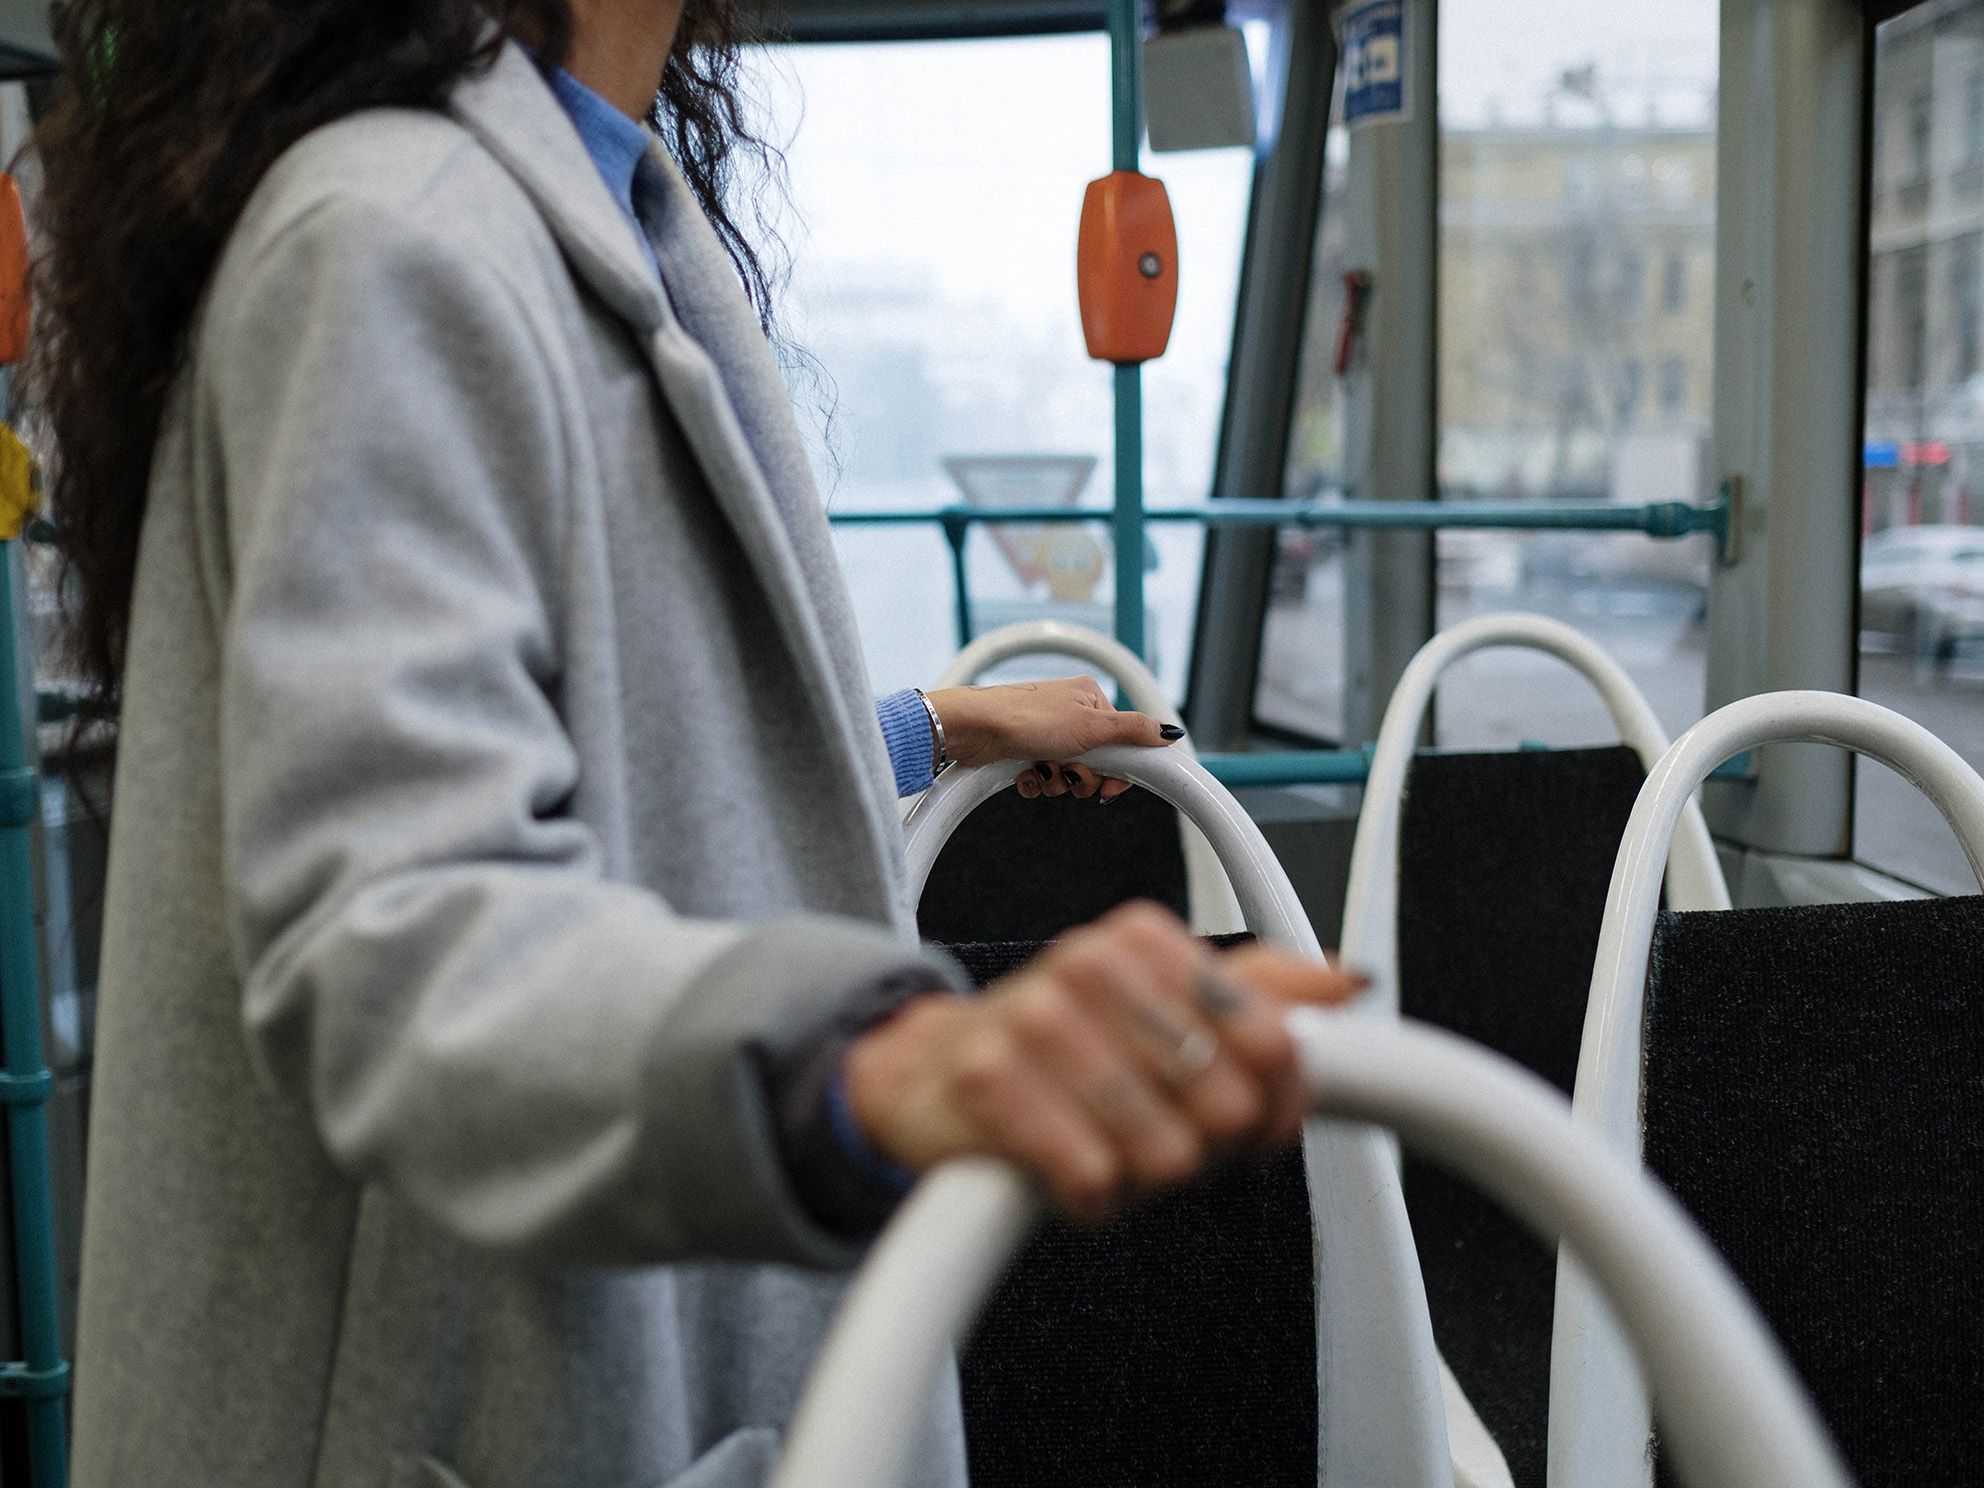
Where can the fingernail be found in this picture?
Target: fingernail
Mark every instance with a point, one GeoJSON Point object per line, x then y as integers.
{"type": "Point", "coordinates": [1110, 800]}
{"type": "Point", "coordinates": [1170, 731]}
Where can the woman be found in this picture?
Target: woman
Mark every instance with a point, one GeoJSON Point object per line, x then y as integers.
{"type": "Point", "coordinates": [507, 983]}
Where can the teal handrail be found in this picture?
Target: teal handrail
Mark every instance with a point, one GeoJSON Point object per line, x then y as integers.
{"type": "Point", "coordinates": [41, 1378]}
{"type": "Point", "coordinates": [1126, 140]}
{"type": "Point", "coordinates": [1658, 519]}
{"type": "Point", "coordinates": [1344, 767]}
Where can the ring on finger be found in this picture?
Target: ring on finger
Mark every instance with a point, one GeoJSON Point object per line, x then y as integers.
{"type": "Point", "coordinates": [1184, 1053]}
{"type": "Point", "coordinates": [1192, 1057]}
{"type": "Point", "coordinates": [1217, 997]}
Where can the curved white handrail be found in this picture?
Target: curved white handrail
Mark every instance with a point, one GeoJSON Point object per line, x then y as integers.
{"type": "Point", "coordinates": [1077, 642]}
{"type": "Point", "coordinates": [1370, 913]}
{"type": "Point", "coordinates": [1266, 897]}
{"type": "Point", "coordinates": [1214, 911]}
{"type": "Point", "coordinates": [1377, 1371]}
{"type": "Point", "coordinates": [1732, 1412]}
{"type": "Point", "coordinates": [1598, 1422]}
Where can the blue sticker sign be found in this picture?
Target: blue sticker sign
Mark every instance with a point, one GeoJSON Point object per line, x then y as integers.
{"type": "Point", "coordinates": [1372, 36]}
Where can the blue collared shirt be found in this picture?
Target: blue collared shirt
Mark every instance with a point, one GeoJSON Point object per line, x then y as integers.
{"type": "Point", "coordinates": [618, 146]}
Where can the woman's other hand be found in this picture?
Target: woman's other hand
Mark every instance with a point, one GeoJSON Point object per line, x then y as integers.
{"type": "Point", "coordinates": [1121, 1061]}
{"type": "Point", "coordinates": [1047, 722]}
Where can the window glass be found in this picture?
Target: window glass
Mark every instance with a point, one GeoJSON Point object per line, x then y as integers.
{"type": "Point", "coordinates": [1577, 227]}
{"type": "Point", "coordinates": [1922, 553]}
{"type": "Point", "coordinates": [1302, 657]}
{"type": "Point", "coordinates": [935, 190]}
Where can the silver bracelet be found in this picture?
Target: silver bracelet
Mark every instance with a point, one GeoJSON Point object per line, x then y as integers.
{"type": "Point", "coordinates": [940, 755]}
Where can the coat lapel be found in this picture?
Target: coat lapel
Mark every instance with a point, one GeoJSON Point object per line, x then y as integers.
{"type": "Point", "coordinates": [723, 386]}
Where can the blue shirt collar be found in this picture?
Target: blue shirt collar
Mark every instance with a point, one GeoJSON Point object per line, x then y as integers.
{"type": "Point", "coordinates": [615, 142]}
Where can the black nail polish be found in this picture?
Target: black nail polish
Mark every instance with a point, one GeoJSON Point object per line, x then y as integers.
{"type": "Point", "coordinates": [1170, 731]}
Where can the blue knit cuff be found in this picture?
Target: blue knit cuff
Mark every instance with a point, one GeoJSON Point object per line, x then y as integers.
{"type": "Point", "coordinates": [906, 730]}
{"type": "Point", "coordinates": [892, 1180]}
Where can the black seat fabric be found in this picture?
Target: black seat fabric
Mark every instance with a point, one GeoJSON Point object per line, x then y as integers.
{"type": "Point", "coordinates": [1027, 870]}
{"type": "Point", "coordinates": [1815, 1096]}
{"type": "Point", "coordinates": [1504, 861]}
{"type": "Point", "coordinates": [1176, 1347]}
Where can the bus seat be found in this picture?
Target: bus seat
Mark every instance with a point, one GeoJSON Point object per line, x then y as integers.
{"type": "Point", "coordinates": [1503, 861]}
{"type": "Point", "coordinates": [1214, 1295]}
{"type": "Point", "coordinates": [1811, 1080]}
{"type": "Point", "coordinates": [1477, 888]}
{"type": "Point", "coordinates": [1733, 1410]}
{"type": "Point", "coordinates": [1815, 1098]}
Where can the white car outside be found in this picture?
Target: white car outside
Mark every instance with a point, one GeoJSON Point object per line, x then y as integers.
{"type": "Point", "coordinates": [1924, 585]}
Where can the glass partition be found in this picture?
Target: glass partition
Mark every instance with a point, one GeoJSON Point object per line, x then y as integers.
{"type": "Point", "coordinates": [1922, 554]}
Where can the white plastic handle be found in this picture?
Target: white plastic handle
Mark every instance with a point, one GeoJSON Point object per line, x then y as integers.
{"type": "Point", "coordinates": [1370, 916]}
{"type": "Point", "coordinates": [1598, 1416]}
{"type": "Point", "coordinates": [1733, 1414]}
{"type": "Point", "coordinates": [1214, 910]}
{"type": "Point", "coordinates": [1077, 642]}
{"type": "Point", "coordinates": [1267, 899]}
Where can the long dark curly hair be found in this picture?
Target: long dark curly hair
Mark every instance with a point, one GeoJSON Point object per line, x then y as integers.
{"type": "Point", "coordinates": [164, 118]}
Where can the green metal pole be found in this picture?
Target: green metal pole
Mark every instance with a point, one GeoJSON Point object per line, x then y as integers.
{"type": "Point", "coordinates": [1126, 139]}
{"type": "Point", "coordinates": [42, 1378]}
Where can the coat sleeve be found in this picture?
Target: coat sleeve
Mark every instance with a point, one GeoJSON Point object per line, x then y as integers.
{"type": "Point", "coordinates": [435, 967]}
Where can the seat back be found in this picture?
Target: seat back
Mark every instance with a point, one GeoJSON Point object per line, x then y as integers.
{"type": "Point", "coordinates": [1465, 867]}
{"type": "Point", "coordinates": [1503, 861]}
{"type": "Point", "coordinates": [1215, 1296]}
{"type": "Point", "coordinates": [1815, 1098]}
{"type": "Point", "coordinates": [1599, 1425]}
{"type": "Point", "coordinates": [1122, 1355]}
{"type": "Point", "coordinates": [1733, 1411]}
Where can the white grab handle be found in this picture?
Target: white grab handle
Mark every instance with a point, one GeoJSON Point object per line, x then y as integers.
{"type": "Point", "coordinates": [1214, 911]}
{"type": "Point", "coordinates": [1734, 1415]}
{"type": "Point", "coordinates": [1268, 901]}
{"type": "Point", "coordinates": [1598, 1414]}
{"type": "Point", "coordinates": [1370, 914]}
{"type": "Point", "coordinates": [1077, 642]}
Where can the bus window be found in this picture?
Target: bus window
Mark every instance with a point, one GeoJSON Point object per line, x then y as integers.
{"type": "Point", "coordinates": [1577, 239]}
{"type": "Point", "coordinates": [1301, 677]}
{"type": "Point", "coordinates": [935, 189]}
{"type": "Point", "coordinates": [1922, 521]}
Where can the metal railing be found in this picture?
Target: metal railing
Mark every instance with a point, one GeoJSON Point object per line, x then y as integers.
{"type": "Point", "coordinates": [1664, 520]}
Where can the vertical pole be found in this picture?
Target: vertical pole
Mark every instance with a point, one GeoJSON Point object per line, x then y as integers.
{"type": "Point", "coordinates": [1126, 136]}
{"type": "Point", "coordinates": [26, 1084]}
{"type": "Point", "coordinates": [957, 532]}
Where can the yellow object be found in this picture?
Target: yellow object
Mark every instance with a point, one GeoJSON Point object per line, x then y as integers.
{"type": "Point", "coordinates": [20, 484]}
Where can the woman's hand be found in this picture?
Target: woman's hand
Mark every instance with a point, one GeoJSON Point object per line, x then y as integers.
{"type": "Point", "coordinates": [1047, 722]}
{"type": "Point", "coordinates": [1122, 1060]}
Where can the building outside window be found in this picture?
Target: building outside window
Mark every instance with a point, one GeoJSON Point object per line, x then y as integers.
{"type": "Point", "coordinates": [1919, 130]}
{"type": "Point", "coordinates": [1922, 557]}
{"type": "Point", "coordinates": [1673, 386]}
{"type": "Point", "coordinates": [1577, 182]}
{"type": "Point", "coordinates": [1674, 285]}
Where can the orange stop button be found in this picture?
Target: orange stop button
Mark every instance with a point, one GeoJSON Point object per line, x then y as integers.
{"type": "Point", "coordinates": [1126, 268]}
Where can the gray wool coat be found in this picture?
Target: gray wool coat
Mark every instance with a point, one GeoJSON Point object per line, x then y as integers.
{"type": "Point", "coordinates": [499, 781]}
